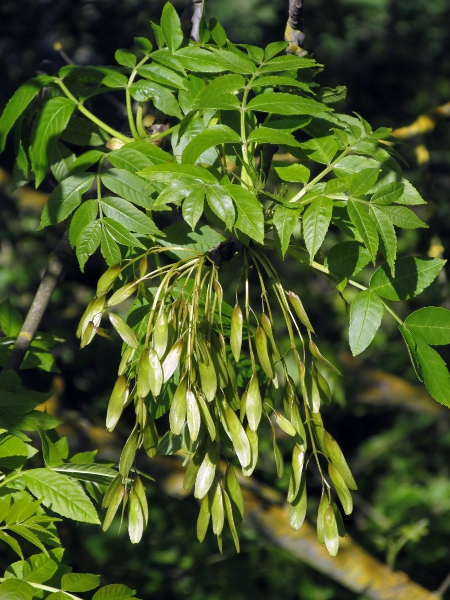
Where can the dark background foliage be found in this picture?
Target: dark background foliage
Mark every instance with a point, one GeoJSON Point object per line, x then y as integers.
{"type": "Point", "coordinates": [394, 57]}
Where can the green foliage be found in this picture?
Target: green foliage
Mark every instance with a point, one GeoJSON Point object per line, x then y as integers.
{"type": "Point", "coordinates": [218, 372]}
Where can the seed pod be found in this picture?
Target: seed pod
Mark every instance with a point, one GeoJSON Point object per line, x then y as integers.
{"type": "Point", "coordinates": [204, 517]}
{"type": "Point", "coordinates": [143, 265]}
{"type": "Point", "coordinates": [234, 492]}
{"type": "Point", "coordinates": [236, 332]}
{"type": "Point", "coordinates": [219, 295]}
{"type": "Point", "coordinates": [318, 430]}
{"type": "Point", "coordinates": [128, 454]}
{"type": "Point", "coordinates": [279, 463]}
{"type": "Point", "coordinates": [299, 310]}
{"type": "Point", "coordinates": [342, 490]}
{"type": "Point", "coordinates": [191, 472]}
{"type": "Point", "coordinates": [220, 368]}
{"type": "Point", "coordinates": [177, 414]}
{"type": "Point", "coordinates": [122, 294]}
{"type": "Point", "coordinates": [267, 326]}
{"type": "Point", "coordinates": [230, 517]}
{"type": "Point", "coordinates": [297, 422]}
{"type": "Point", "coordinates": [116, 403]}
{"type": "Point", "coordinates": [284, 424]}
{"type": "Point", "coordinates": [88, 335]}
{"type": "Point", "coordinates": [330, 531]}
{"type": "Point", "coordinates": [206, 416]}
{"type": "Point", "coordinates": [252, 437]}
{"type": "Point", "coordinates": [297, 508]}
{"type": "Point", "coordinates": [135, 518]}
{"type": "Point", "coordinates": [262, 352]}
{"type": "Point", "coordinates": [298, 460]}
{"type": "Point", "coordinates": [339, 521]}
{"type": "Point", "coordinates": [93, 312]}
{"type": "Point", "coordinates": [150, 435]}
{"type": "Point", "coordinates": [107, 279]}
{"type": "Point", "coordinates": [126, 359]}
{"type": "Point", "coordinates": [143, 378]}
{"type": "Point", "coordinates": [322, 386]}
{"type": "Point", "coordinates": [323, 504]}
{"type": "Point", "coordinates": [337, 458]}
{"type": "Point", "coordinates": [155, 373]}
{"type": "Point", "coordinates": [111, 490]}
{"type": "Point", "coordinates": [316, 353]}
{"type": "Point", "coordinates": [236, 433]}
{"type": "Point", "coordinates": [172, 359]}
{"type": "Point", "coordinates": [217, 509]}
{"type": "Point", "coordinates": [207, 471]}
{"type": "Point", "coordinates": [208, 378]}
{"type": "Point", "coordinates": [161, 334]}
{"type": "Point", "coordinates": [113, 506]}
{"type": "Point", "coordinates": [253, 404]}
{"type": "Point", "coordinates": [310, 391]}
{"type": "Point", "coordinates": [193, 415]}
{"type": "Point", "coordinates": [125, 332]}
{"type": "Point", "coordinates": [140, 492]}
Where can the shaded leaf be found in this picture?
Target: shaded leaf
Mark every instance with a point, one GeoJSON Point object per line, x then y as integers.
{"type": "Point", "coordinates": [413, 275]}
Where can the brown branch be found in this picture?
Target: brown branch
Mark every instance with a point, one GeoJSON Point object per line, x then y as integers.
{"type": "Point", "coordinates": [56, 263]}
{"type": "Point", "coordinates": [293, 32]}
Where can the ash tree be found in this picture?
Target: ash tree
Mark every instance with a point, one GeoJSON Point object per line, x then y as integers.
{"type": "Point", "coordinates": [235, 160]}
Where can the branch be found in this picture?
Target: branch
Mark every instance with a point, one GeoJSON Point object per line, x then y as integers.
{"type": "Point", "coordinates": [268, 514]}
{"type": "Point", "coordinates": [55, 266]}
{"type": "Point", "coordinates": [198, 6]}
{"type": "Point", "coordinates": [424, 123]}
{"type": "Point", "coordinates": [293, 32]}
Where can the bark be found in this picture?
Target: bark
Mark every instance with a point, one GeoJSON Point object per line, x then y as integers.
{"type": "Point", "coordinates": [294, 26]}
{"type": "Point", "coordinates": [196, 18]}
{"type": "Point", "coordinates": [62, 253]}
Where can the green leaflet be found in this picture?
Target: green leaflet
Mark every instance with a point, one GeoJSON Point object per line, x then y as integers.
{"type": "Point", "coordinates": [51, 121]}
{"type": "Point", "coordinates": [18, 103]}
{"type": "Point", "coordinates": [359, 215]}
{"type": "Point", "coordinates": [281, 103]}
{"type": "Point", "coordinates": [210, 137]}
{"type": "Point", "coordinates": [79, 582]}
{"type": "Point", "coordinates": [84, 215]}
{"type": "Point", "coordinates": [221, 204]}
{"type": "Point", "coordinates": [236, 63]}
{"type": "Point", "coordinates": [145, 90]}
{"type": "Point", "coordinates": [16, 589]}
{"type": "Point", "coordinates": [321, 150]}
{"type": "Point", "coordinates": [125, 58]}
{"type": "Point", "coordinates": [88, 241]}
{"type": "Point", "coordinates": [198, 60]}
{"type": "Point", "coordinates": [387, 233]}
{"type": "Point", "coordinates": [431, 324]}
{"type": "Point", "coordinates": [432, 368]}
{"type": "Point", "coordinates": [362, 181]}
{"type": "Point", "coordinates": [128, 186]}
{"type": "Point", "coordinates": [129, 216]}
{"type": "Point", "coordinates": [389, 193]}
{"type": "Point", "coordinates": [284, 220]}
{"type": "Point", "coordinates": [10, 319]}
{"type": "Point", "coordinates": [366, 313]}
{"type": "Point", "coordinates": [266, 135]}
{"type": "Point", "coordinates": [65, 198]}
{"type": "Point", "coordinates": [287, 63]}
{"type": "Point", "coordinates": [193, 205]}
{"type": "Point", "coordinates": [403, 217]}
{"type": "Point", "coordinates": [316, 222]}
{"type": "Point", "coordinates": [413, 275]}
{"type": "Point", "coordinates": [171, 27]}
{"type": "Point", "coordinates": [114, 591]}
{"type": "Point", "coordinates": [162, 75]}
{"type": "Point", "coordinates": [250, 216]}
{"type": "Point", "coordinates": [294, 173]}
{"type": "Point", "coordinates": [347, 259]}
{"type": "Point", "coordinates": [62, 494]}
